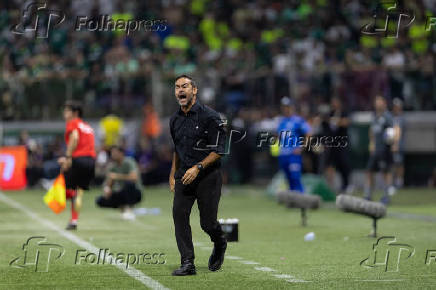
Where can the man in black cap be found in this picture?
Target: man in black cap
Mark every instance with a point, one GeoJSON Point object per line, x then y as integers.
{"type": "Point", "coordinates": [199, 140]}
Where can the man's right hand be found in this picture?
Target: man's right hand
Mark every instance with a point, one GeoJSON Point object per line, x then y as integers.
{"type": "Point", "coordinates": [65, 163]}
{"type": "Point", "coordinates": [172, 183]}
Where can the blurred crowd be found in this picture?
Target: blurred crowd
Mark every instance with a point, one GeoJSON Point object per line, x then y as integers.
{"type": "Point", "coordinates": [244, 54]}
{"type": "Point", "coordinates": [247, 159]}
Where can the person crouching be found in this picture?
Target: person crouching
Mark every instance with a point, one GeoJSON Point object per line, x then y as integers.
{"type": "Point", "coordinates": [122, 187]}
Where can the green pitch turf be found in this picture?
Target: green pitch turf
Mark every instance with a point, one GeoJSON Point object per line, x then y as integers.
{"type": "Point", "coordinates": [271, 253]}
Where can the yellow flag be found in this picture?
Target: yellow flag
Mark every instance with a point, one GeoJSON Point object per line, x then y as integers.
{"type": "Point", "coordinates": [55, 197]}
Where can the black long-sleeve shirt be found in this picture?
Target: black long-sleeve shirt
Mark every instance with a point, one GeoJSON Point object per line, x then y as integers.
{"type": "Point", "coordinates": [195, 135]}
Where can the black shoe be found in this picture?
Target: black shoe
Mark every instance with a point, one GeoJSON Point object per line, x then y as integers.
{"type": "Point", "coordinates": [71, 227]}
{"type": "Point", "coordinates": [187, 268]}
{"type": "Point", "coordinates": [217, 257]}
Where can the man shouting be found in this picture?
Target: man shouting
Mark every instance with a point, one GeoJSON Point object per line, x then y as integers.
{"type": "Point", "coordinates": [199, 139]}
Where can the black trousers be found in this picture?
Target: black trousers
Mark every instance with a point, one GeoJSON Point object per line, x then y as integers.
{"type": "Point", "coordinates": [206, 189]}
{"type": "Point", "coordinates": [128, 195]}
{"type": "Point", "coordinates": [81, 172]}
{"type": "Point", "coordinates": [339, 159]}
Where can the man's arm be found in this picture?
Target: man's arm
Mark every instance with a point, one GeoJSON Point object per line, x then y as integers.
{"type": "Point", "coordinates": [174, 167]}
{"type": "Point", "coordinates": [131, 176]}
{"type": "Point", "coordinates": [210, 159]}
{"type": "Point", "coordinates": [73, 140]}
{"type": "Point", "coordinates": [174, 164]}
{"type": "Point", "coordinates": [192, 172]}
{"type": "Point", "coordinates": [72, 143]}
{"type": "Point", "coordinates": [397, 137]}
{"type": "Point", "coordinates": [371, 141]}
{"type": "Point", "coordinates": [107, 186]}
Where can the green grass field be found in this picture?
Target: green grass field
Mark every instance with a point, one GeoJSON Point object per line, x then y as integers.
{"type": "Point", "coordinates": [271, 253]}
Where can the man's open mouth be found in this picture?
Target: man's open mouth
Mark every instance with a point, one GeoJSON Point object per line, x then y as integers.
{"type": "Point", "coordinates": [182, 97]}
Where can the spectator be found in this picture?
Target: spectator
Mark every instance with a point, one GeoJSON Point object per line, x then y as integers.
{"type": "Point", "coordinates": [122, 188]}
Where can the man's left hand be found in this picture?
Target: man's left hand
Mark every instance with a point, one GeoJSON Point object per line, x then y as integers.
{"type": "Point", "coordinates": [190, 175]}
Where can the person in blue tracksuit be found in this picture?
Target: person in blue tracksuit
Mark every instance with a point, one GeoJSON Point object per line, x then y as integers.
{"type": "Point", "coordinates": [292, 131]}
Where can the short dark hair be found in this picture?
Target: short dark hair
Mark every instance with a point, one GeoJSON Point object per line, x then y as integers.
{"type": "Point", "coordinates": [193, 83]}
{"type": "Point", "coordinates": [118, 148]}
{"type": "Point", "coordinates": [75, 106]}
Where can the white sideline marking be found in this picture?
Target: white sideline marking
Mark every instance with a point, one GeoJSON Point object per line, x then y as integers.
{"type": "Point", "coordinates": [283, 276]}
{"type": "Point", "coordinates": [131, 271]}
{"type": "Point", "coordinates": [233, 257]}
{"type": "Point", "coordinates": [265, 269]}
{"type": "Point", "coordinates": [290, 278]}
{"type": "Point", "coordinates": [249, 262]}
{"type": "Point", "coordinates": [392, 280]}
{"type": "Point", "coordinates": [297, 281]}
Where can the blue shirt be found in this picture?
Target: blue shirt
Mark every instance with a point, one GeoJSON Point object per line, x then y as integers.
{"type": "Point", "coordinates": [290, 131]}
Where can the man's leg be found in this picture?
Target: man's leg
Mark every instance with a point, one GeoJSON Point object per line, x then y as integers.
{"type": "Point", "coordinates": [398, 176]}
{"type": "Point", "coordinates": [330, 173]}
{"type": "Point", "coordinates": [369, 185]}
{"type": "Point", "coordinates": [389, 189]}
{"type": "Point", "coordinates": [71, 194]}
{"type": "Point", "coordinates": [291, 166]}
{"type": "Point", "coordinates": [330, 170]}
{"type": "Point", "coordinates": [113, 201]}
{"type": "Point", "coordinates": [131, 196]}
{"type": "Point", "coordinates": [344, 169]}
{"type": "Point", "coordinates": [183, 200]}
{"type": "Point", "coordinates": [78, 199]}
{"type": "Point", "coordinates": [295, 167]}
{"type": "Point", "coordinates": [284, 166]}
{"type": "Point", "coordinates": [372, 167]}
{"type": "Point", "coordinates": [208, 197]}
